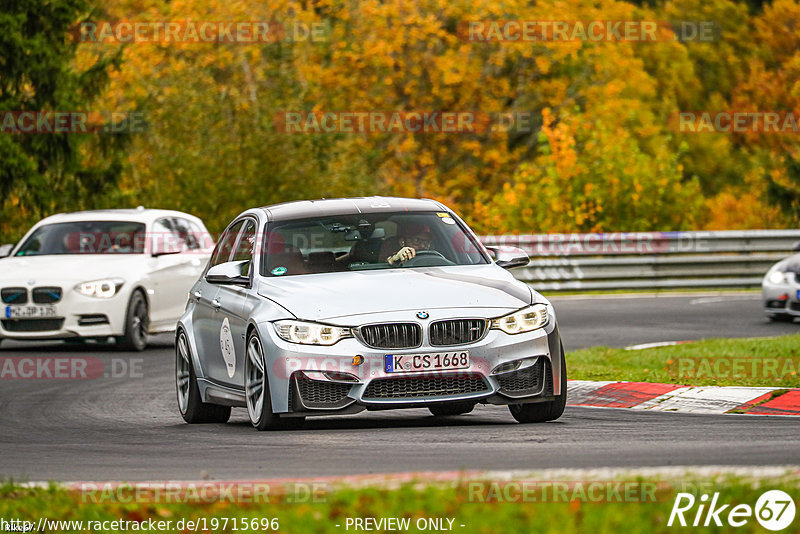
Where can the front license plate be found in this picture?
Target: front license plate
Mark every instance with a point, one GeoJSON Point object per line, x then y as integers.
{"type": "Point", "coordinates": [798, 294]}
{"type": "Point", "coordinates": [435, 361]}
{"type": "Point", "coordinates": [27, 312]}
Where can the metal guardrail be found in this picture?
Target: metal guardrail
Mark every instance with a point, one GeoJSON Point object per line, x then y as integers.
{"type": "Point", "coordinates": [649, 260]}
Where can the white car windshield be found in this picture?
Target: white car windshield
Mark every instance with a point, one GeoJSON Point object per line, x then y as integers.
{"type": "Point", "coordinates": [367, 242]}
{"type": "Point", "coordinates": [85, 237]}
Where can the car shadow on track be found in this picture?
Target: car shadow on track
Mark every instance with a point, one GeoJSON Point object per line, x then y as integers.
{"type": "Point", "coordinates": [419, 419]}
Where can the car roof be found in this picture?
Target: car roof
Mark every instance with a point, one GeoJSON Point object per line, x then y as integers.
{"type": "Point", "coordinates": [142, 215]}
{"type": "Point", "coordinates": [348, 206]}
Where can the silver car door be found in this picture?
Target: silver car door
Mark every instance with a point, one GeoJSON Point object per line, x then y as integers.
{"type": "Point", "coordinates": [207, 318]}
{"type": "Point", "coordinates": [231, 318]}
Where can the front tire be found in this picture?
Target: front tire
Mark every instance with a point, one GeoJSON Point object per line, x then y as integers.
{"type": "Point", "coordinates": [540, 412]}
{"type": "Point", "coordinates": [192, 408]}
{"type": "Point", "coordinates": [259, 401]}
{"type": "Point", "coordinates": [137, 321]}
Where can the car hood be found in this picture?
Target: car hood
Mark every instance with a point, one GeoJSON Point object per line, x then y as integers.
{"type": "Point", "coordinates": [65, 269]}
{"type": "Point", "coordinates": [327, 296]}
{"type": "Point", "coordinates": [790, 264]}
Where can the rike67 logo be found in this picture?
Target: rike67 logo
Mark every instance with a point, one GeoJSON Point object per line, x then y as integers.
{"type": "Point", "coordinates": [774, 510]}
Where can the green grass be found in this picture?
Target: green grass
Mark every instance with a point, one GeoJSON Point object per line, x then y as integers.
{"type": "Point", "coordinates": [773, 362]}
{"type": "Point", "coordinates": [558, 516]}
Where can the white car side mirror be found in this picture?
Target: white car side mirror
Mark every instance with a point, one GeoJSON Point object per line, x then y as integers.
{"type": "Point", "coordinates": [5, 250]}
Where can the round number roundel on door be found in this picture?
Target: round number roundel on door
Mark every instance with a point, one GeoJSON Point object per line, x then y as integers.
{"type": "Point", "coordinates": [226, 346]}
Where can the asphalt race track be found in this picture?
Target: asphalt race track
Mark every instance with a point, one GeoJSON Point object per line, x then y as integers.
{"type": "Point", "coordinates": [623, 321]}
{"type": "Point", "coordinates": [128, 428]}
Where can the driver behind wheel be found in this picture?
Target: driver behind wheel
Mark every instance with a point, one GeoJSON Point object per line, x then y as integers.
{"type": "Point", "coordinates": [412, 239]}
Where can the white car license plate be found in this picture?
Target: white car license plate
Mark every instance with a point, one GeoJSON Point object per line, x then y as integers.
{"type": "Point", "coordinates": [435, 361]}
{"type": "Point", "coordinates": [26, 312]}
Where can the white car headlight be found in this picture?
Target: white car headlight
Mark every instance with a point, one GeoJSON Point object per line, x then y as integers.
{"type": "Point", "coordinates": [307, 333]}
{"type": "Point", "coordinates": [524, 320]}
{"type": "Point", "coordinates": [777, 277]}
{"type": "Point", "coordinates": [104, 289]}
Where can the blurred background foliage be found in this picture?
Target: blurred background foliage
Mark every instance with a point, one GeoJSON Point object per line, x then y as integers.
{"type": "Point", "coordinates": [601, 155]}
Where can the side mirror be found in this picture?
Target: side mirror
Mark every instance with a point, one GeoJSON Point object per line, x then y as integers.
{"type": "Point", "coordinates": [5, 250]}
{"type": "Point", "coordinates": [509, 257]}
{"type": "Point", "coordinates": [795, 247]}
{"type": "Point", "coordinates": [230, 273]}
{"type": "Point", "coordinates": [162, 247]}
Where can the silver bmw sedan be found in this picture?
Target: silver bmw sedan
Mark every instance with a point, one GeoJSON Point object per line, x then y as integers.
{"type": "Point", "coordinates": [337, 306]}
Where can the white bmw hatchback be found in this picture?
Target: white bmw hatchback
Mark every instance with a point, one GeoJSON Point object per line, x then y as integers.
{"type": "Point", "coordinates": [100, 274]}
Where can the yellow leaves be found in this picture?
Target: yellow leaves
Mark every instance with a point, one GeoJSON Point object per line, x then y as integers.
{"type": "Point", "coordinates": [601, 160]}
{"type": "Point", "coordinates": [735, 209]}
{"type": "Point", "coordinates": [509, 195]}
{"type": "Point", "coordinates": [543, 64]}
{"type": "Point", "coordinates": [425, 159]}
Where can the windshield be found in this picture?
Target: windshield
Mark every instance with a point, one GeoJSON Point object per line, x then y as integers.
{"type": "Point", "coordinates": [85, 237]}
{"type": "Point", "coordinates": [367, 242]}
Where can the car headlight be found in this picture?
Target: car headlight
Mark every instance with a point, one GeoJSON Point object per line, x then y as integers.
{"type": "Point", "coordinates": [777, 277]}
{"type": "Point", "coordinates": [307, 333]}
{"type": "Point", "coordinates": [104, 289]}
{"type": "Point", "coordinates": [524, 320]}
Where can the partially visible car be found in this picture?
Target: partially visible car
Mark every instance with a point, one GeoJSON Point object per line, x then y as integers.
{"type": "Point", "coordinates": [99, 274]}
{"type": "Point", "coordinates": [322, 307]}
{"type": "Point", "coordinates": [780, 289]}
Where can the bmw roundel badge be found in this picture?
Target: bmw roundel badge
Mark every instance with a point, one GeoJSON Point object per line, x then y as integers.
{"type": "Point", "coordinates": [423, 315]}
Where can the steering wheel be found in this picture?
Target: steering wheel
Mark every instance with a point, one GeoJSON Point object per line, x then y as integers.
{"type": "Point", "coordinates": [427, 258]}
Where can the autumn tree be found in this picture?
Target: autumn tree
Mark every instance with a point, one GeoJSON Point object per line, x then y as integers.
{"type": "Point", "coordinates": [43, 173]}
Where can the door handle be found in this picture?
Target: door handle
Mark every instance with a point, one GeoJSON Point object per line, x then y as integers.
{"type": "Point", "coordinates": [216, 304]}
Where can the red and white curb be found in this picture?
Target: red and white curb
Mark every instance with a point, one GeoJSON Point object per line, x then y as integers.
{"type": "Point", "coordinates": [679, 398]}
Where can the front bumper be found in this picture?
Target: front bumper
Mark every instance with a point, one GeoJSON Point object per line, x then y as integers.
{"type": "Point", "coordinates": [297, 385]}
{"type": "Point", "coordinates": [781, 299]}
{"type": "Point", "coordinates": [76, 315]}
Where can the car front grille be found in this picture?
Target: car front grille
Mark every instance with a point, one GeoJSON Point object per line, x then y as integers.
{"type": "Point", "coordinates": [407, 387]}
{"type": "Point", "coordinates": [456, 332]}
{"type": "Point", "coordinates": [794, 306]}
{"type": "Point", "coordinates": [529, 381]}
{"type": "Point", "coordinates": [14, 295]}
{"type": "Point", "coordinates": [321, 394]}
{"type": "Point", "coordinates": [32, 325]}
{"type": "Point", "coordinates": [46, 295]}
{"type": "Point", "coordinates": [392, 335]}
